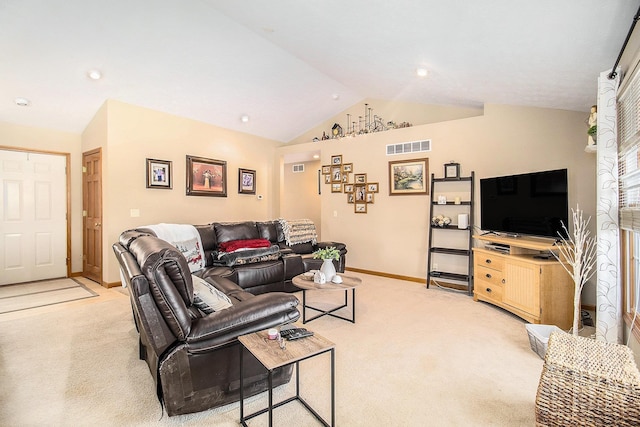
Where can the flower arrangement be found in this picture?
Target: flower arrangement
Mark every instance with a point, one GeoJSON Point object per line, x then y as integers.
{"type": "Point", "coordinates": [440, 221]}
{"type": "Point", "coordinates": [327, 253]}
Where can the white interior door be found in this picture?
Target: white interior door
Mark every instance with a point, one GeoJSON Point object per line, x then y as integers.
{"type": "Point", "coordinates": [33, 226]}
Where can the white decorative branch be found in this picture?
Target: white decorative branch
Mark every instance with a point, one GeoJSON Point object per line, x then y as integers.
{"type": "Point", "coordinates": [577, 254]}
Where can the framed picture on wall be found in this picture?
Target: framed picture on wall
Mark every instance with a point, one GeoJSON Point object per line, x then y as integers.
{"type": "Point", "coordinates": [159, 174]}
{"type": "Point", "coordinates": [408, 177]}
{"type": "Point", "coordinates": [206, 177]}
{"type": "Point", "coordinates": [246, 181]}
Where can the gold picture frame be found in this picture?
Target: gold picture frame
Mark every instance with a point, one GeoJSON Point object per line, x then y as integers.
{"type": "Point", "coordinates": [409, 177]}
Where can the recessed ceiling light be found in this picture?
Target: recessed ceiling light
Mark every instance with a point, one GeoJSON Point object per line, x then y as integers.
{"type": "Point", "coordinates": [316, 156]}
{"type": "Point", "coordinates": [22, 102]}
{"type": "Point", "coordinates": [244, 118]}
{"type": "Point", "coordinates": [422, 72]}
{"type": "Point", "coordinates": [94, 74]}
{"type": "Point", "coordinates": [335, 96]}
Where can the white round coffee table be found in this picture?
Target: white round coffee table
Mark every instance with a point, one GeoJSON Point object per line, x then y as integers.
{"type": "Point", "coordinates": [348, 283]}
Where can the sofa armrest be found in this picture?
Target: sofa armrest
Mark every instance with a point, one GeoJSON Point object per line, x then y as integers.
{"type": "Point", "coordinates": [255, 314]}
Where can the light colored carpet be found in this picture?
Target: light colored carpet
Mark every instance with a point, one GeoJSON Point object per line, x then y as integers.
{"type": "Point", "coordinates": [414, 357]}
{"type": "Point", "coordinates": [23, 296]}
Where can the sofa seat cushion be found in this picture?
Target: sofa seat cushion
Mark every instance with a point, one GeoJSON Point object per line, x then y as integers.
{"type": "Point", "coordinates": [207, 298]}
{"type": "Point", "coordinates": [247, 256]}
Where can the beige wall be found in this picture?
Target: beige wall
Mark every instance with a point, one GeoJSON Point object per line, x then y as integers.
{"type": "Point", "coordinates": [36, 139]}
{"type": "Point", "coordinates": [300, 198]}
{"type": "Point", "coordinates": [135, 134]}
{"type": "Point", "coordinates": [392, 237]}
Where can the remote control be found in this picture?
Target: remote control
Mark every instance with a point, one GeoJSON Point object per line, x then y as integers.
{"type": "Point", "coordinates": [295, 333]}
{"type": "Point", "coordinates": [299, 334]}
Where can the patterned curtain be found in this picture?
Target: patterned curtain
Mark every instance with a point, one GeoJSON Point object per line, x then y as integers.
{"type": "Point", "coordinates": [609, 293]}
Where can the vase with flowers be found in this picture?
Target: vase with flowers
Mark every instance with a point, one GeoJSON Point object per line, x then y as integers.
{"type": "Point", "coordinates": [327, 254]}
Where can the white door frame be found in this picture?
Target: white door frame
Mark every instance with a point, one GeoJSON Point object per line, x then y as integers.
{"type": "Point", "coordinates": [68, 177]}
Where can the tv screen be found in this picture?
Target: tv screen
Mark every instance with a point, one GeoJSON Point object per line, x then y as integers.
{"type": "Point", "coordinates": [534, 204]}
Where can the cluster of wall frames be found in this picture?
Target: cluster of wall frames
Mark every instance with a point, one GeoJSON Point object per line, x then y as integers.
{"type": "Point", "coordinates": [205, 177]}
{"type": "Point", "coordinates": [359, 192]}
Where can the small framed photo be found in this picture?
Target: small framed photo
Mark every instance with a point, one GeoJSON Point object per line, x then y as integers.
{"type": "Point", "coordinates": [345, 177]}
{"type": "Point", "coordinates": [408, 177]}
{"type": "Point", "coordinates": [372, 187]}
{"type": "Point", "coordinates": [336, 174]}
{"type": "Point", "coordinates": [360, 207]}
{"type": "Point", "coordinates": [327, 179]}
{"type": "Point", "coordinates": [326, 169]}
{"type": "Point", "coordinates": [246, 181]}
{"type": "Point", "coordinates": [347, 167]}
{"type": "Point", "coordinates": [336, 160]}
{"type": "Point", "coordinates": [206, 177]}
{"type": "Point", "coordinates": [452, 170]}
{"type": "Point", "coordinates": [159, 174]}
{"type": "Point", "coordinates": [336, 187]}
{"type": "Point", "coordinates": [350, 198]}
{"type": "Point", "coordinates": [348, 188]}
{"type": "Point", "coordinates": [360, 178]}
{"type": "Point", "coordinates": [360, 192]}
{"type": "Point", "coordinates": [369, 197]}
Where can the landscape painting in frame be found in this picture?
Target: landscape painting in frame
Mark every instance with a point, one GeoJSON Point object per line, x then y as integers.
{"type": "Point", "coordinates": [206, 177]}
{"type": "Point", "coordinates": [408, 177]}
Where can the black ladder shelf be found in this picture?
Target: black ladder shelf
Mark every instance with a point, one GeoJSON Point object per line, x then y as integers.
{"type": "Point", "coordinates": [445, 277]}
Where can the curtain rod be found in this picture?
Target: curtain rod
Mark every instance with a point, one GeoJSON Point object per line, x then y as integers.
{"type": "Point", "coordinates": [613, 74]}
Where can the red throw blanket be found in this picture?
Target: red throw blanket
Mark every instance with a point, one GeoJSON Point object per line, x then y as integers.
{"type": "Point", "coordinates": [234, 245]}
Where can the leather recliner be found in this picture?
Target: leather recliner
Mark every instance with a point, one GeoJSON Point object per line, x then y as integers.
{"type": "Point", "coordinates": [194, 358]}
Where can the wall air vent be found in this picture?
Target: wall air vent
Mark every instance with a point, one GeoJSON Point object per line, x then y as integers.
{"type": "Point", "coordinates": [409, 147]}
{"type": "Point", "coordinates": [298, 168]}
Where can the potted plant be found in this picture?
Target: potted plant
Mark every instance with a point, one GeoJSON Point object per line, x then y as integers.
{"type": "Point", "coordinates": [327, 254]}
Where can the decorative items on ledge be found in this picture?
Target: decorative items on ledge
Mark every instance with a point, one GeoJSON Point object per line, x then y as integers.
{"type": "Point", "coordinates": [365, 124]}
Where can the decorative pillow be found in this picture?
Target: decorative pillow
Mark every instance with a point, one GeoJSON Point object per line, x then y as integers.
{"type": "Point", "coordinates": [246, 256]}
{"type": "Point", "coordinates": [207, 298]}
{"type": "Point", "coordinates": [234, 245]}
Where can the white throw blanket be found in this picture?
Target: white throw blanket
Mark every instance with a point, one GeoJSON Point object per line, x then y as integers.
{"type": "Point", "coordinates": [186, 239]}
{"type": "Point", "coordinates": [299, 231]}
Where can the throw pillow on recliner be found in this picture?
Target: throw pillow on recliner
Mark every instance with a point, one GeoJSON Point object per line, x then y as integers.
{"type": "Point", "coordinates": [207, 298]}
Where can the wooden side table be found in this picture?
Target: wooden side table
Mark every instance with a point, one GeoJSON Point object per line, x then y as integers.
{"type": "Point", "coordinates": [271, 356]}
{"type": "Point", "coordinates": [348, 283]}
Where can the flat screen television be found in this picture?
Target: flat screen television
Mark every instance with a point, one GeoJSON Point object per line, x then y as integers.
{"type": "Point", "coordinates": [535, 204]}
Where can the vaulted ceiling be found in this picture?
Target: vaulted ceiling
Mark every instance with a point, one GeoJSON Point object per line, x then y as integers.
{"type": "Point", "coordinates": [291, 64]}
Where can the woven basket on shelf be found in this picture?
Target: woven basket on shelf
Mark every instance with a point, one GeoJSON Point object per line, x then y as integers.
{"type": "Point", "coordinates": [587, 383]}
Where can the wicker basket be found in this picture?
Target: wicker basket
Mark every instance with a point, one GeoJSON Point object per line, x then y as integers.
{"type": "Point", "coordinates": [587, 383]}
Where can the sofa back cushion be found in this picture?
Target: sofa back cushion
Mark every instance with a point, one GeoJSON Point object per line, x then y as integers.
{"type": "Point", "coordinates": [226, 232]}
{"type": "Point", "coordinates": [268, 230]}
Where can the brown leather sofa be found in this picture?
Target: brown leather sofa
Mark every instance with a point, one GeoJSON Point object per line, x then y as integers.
{"type": "Point", "coordinates": [194, 358]}
{"type": "Point", "coordinates": [263, 276]}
